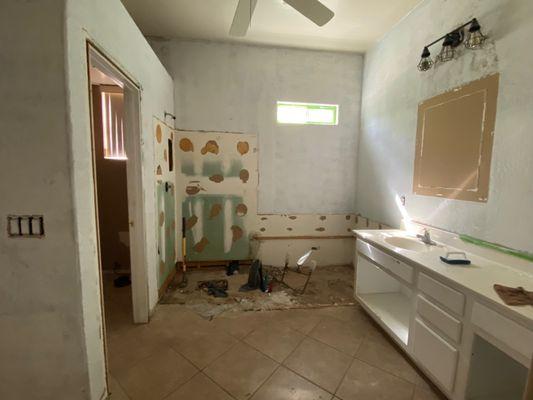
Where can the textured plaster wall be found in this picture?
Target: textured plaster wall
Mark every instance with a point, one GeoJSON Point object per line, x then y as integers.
{"type": "Point", "coordinates": [42, 350]}
{"type": "Point", "coordinates": [392, 89]}
{"type": "Point", "coordinates": [108, 25]}
{"type": "Point", "coordinates": [229, 87]}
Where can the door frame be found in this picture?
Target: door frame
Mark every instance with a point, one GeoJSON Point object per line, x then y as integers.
{"type": "Point", "coordinates": [134, 182]}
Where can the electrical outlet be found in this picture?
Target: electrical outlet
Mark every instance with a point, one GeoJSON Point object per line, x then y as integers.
{"type": "Point", "coordinates": [25, 226]}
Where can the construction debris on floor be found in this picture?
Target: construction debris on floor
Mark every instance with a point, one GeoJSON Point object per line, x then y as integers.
{"type": "Point", "coordinates": [326, 286]}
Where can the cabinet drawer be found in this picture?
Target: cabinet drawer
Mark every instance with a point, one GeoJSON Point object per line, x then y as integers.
{"type": "Point", "coordinates": [505, 330]}
{"type": "Point", "coordinates": [443, 321]}
{"type": "Point", "coordinates": [398, 268]}
{"type": "Point", "coordinates": [435, 354]}
{"type": "Point", "coordinates": [443, 294]}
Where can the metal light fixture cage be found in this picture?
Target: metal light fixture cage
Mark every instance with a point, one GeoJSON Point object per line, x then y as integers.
{"type": "Point", "coordinates": [451, 40]}
{"type": "Point", "coordinates": [475, 38]}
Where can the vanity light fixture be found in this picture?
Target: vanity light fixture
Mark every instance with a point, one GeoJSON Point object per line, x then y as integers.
{"type": "Point", "coordinates": [475, 38]}
{"type": "Point", "coordinates": [451, 41]}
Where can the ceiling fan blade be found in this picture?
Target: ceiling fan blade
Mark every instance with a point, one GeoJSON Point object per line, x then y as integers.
{"type": "Point", "coordinates": [242, 17]}
{"type": "Point", "coordinates": [312, 9]}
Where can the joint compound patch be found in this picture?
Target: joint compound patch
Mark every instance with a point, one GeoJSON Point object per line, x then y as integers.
{"type": "Point", "coordinates": [200, 246]}
{"type": "Point", "coordinates": [210, 147]}
{"type": "Point", "coordinates": [186, 145]}
{"type": "Point", "coordinates": [243, 147]}
{"type": "Point", "coordinates": [241, 210]}
{"type": "Point", "coordinates": [244, 175]}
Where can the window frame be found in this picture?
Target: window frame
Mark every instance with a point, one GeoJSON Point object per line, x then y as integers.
{"type": "Point", "coordinates": [334, 107]}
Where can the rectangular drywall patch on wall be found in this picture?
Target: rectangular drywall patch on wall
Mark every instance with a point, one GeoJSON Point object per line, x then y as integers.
{"type": "Point", "coordinates": [454, 142]}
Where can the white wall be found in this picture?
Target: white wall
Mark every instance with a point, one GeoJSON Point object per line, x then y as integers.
{"type": "Point", "coordinates": [392, 89]}
{"type": "Point", "coordinates": [108, 25]}
{"type": "Point", "coordinates": [50, 321]}
{"type": "Point", "coordinates": [42, 353]}
{"type": "Point", "coordinates": [230, 87]}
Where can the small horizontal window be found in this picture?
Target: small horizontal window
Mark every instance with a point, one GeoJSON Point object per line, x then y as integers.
{"type": "Point", "coordinates": [307, 113]}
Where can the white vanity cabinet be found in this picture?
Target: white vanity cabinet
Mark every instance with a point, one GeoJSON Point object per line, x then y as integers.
{"type": "Point", "coordinates": [441, 327]}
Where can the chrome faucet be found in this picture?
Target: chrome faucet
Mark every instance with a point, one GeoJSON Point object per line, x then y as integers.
{"type": "Point", "coordinates": [426, 238]}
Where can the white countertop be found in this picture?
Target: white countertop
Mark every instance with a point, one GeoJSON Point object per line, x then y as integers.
{"type": "Point", "coordinates": [478, 277]}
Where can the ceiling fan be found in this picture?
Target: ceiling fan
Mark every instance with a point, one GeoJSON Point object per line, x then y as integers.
{"type": "Point", "coordinates": [311, 9]}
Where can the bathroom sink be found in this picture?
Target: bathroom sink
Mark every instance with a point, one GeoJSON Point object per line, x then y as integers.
{"type": "Point", "coordinates": [407, 243]}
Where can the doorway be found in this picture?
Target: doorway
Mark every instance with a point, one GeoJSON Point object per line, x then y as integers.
{"type": "Point", "coordinates": [116, 139]}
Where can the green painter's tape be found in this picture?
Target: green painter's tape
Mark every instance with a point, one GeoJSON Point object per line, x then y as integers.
{"type": "Point", "coordinates": [502, 249]}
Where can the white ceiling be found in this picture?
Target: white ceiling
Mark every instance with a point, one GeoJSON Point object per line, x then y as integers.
{"type": "Point", "coordinates": [356, 26]}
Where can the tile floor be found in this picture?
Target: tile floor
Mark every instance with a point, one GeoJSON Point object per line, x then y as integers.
{"type": "Point", "coordinates": [332, 353]}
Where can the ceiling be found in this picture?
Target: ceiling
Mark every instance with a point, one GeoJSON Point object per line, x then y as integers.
{"type": "Point", "coordinates": [356, 26]}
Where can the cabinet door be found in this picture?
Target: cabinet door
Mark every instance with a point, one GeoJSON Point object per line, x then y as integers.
{"type": "Point", "coordinates": [434, 353]}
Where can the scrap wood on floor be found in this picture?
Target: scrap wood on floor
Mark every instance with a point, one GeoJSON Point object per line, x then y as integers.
{"type": "Point", "coordinates": [329, 286]}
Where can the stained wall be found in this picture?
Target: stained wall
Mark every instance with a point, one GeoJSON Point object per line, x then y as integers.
{"type": "Point", "coordinates": [233, 87]}
{"type": "Point", "coordinates": [392, 90]}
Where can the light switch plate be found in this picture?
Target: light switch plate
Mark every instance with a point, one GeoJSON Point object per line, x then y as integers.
{"type": "Point", "coordinates": [25, 226]}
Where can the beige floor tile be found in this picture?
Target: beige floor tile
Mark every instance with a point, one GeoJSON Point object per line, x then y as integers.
{"type": "Point", "coordinates": [240, 325]}
{"type": "Point", "coordinates": [427, 394]}
{"type": "Point", "coordinates": [364, 382]}
{"type": "Point", "coordinates": [201, 347]}
{"type": "Point", "coordinates": [300, 320]}
{"type": "Point", "coordinates": [320, 363]}
{"type": "Point", "coordinates": [286, 385]}
{"type": "Point", "coordinates": [156, 376]}
{"type": "Point", "coordinates": [346, 313]}
{"type": "Point", "coordinates": [344, 336]}
{"type": "Point", "coordinates": [277, 342]}
{"type": "Point", "coordinates": [199, 388]}
{"type": "Point", "coordinates": [387, 357]}
{"type": "Point", "coordinates": [127, 348]}
{"type": "Point", "coordinates": [114, 389]}
{"type": "Point", "coordinates": [241, 370]}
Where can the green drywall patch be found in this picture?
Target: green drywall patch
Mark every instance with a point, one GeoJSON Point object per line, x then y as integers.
{"type": "Point", "coordinates": [214, 231]}
{"type": "Point", "coordinates": [502, 249]}
{"type": "Point", "coordinates": [210, 168]}
{"type": "Point", "coordinates": [187, 167]}
{"type": "Point", "coordinates": [234, 167]}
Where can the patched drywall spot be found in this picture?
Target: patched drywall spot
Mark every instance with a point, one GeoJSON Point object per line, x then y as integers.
{"type": "Point", "coordinates": [292, 217]}
{"type": "Point", "coordinates": [186, 145]}
{"type": "Point", "coordinates": [158, 133]}
{"type": "Point", "coordinates": [244, 175]}
{"type": "Point", "coordinates": [158, 170]}
{"type": "Point", "coordinates": [217, 178]}
{"type": "Point", "coordinates": [241, 210]}
{"type": "Point", "coordinates": [322, 217]}
{"type": "Point", "coordinates": [215, 210]}
{"type": "Point", "coordinates": [210, 147]}
{"type": "Point", "coordinates": [191, 222]}
{"type": "Point", "coordinates": [200, 246]}
{"type": "Point", "coordinates": [320, 229]}
{"type": "Point", "coordinates": [243, 147]}
{"type": "Point", "coordinates": [234, 168]}
{"type": "Point", "coordinates": [210, 168]}
{"type": "Point", "coordinates": [192, 190]}
{"type": "Point", "coordinates": [161, 218]}
{"type": "Point", "coordinates": [237, 233]}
